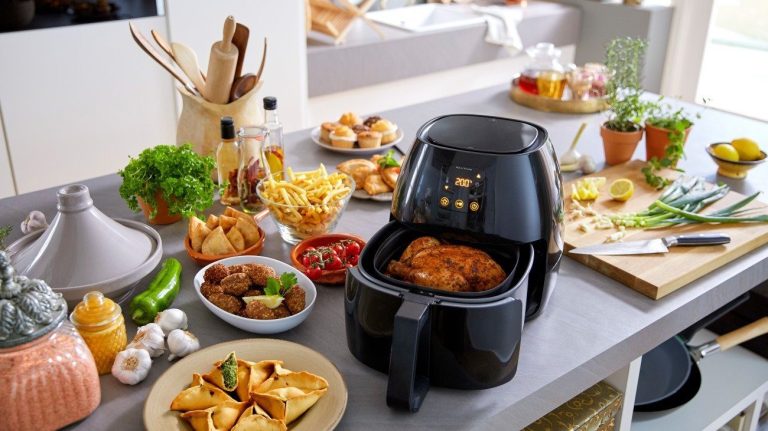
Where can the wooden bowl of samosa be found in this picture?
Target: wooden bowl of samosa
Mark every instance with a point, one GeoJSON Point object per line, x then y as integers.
{"type": "Point", "coordinates": [233, 233]}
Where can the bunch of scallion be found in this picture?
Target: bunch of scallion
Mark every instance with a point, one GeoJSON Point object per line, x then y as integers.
{"type": "Point", "coordinates": [682, 202]}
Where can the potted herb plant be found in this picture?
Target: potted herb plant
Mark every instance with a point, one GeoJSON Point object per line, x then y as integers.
{"type": "Point", "coordinates": [623, 130]}
{"type": "Point", "coordinates": [667, 131]}
{"type": "Point", "coordinates": [168, 182]}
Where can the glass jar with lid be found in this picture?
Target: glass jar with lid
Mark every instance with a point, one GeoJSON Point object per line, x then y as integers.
{"type": "Point", "coordinates": [545, 64]}
{"type": "Point", "coordinates": [101, 324]}
{"type": "Point", "coordinates": [38, 345]}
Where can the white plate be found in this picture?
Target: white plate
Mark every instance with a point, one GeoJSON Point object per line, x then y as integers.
{"type": "Point", "coordinates": [315, 134]}
{"type": "Point", "coordinates": [381, 197]}
{"type": "Point", "coordinates": [257, 326]}
{"type": "Point", "coordinates": [323, 416]}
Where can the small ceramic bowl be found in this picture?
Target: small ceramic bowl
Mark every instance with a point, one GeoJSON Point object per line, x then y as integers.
{"type": "Point", "coordinates": [205, 259]}
{"type": "Point", "coordinates": [730, 169]}
{"type": "Point", "coordinates": [257, 326]}
{"type": "Point", "coordinates": [328, 277]}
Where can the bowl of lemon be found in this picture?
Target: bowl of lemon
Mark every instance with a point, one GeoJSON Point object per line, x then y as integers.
{"type": "Point", "coordinates": [734, 159]}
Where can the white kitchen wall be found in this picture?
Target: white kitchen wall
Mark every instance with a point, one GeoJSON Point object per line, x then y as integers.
{"type": "Point", "coordinates": [198, 23]}
{"type": "Point", "coordinates": [7, 188]}
{"type": "Point", "coordinates": [77, 100]}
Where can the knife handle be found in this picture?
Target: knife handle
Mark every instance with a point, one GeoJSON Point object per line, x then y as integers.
{"type": "Point", "coordinates": [697, 239]}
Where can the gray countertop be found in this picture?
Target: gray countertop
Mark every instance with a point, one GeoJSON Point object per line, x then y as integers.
{"type": "Point", "coordinates": [366, 59]}
{"type": "Point", "coordinates": [592, 327]}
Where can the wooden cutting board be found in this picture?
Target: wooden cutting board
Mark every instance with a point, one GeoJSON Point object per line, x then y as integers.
{"type": "Point", "coordinates": [657, 275]}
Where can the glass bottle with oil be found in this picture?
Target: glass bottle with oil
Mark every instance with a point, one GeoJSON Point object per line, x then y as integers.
{"type": "Point", "coordinates": [274, 149]}
{"type": "Point", "coordinates": [228, 162]}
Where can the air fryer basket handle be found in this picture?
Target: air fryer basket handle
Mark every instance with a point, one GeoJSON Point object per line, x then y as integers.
{"type": "Point", "coordinates": [407, 387]}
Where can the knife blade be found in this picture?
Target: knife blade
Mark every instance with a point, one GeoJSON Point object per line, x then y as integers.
{"type": "Point", "coordinates": [658, 245]}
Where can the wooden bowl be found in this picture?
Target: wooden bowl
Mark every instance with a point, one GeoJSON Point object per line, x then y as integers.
{"type": "Point", "coordinates": [334, 277]}
{"type": "Point", "coordinates": [727, 168]}
{"type": "Point", "coordinates": [204, 259]}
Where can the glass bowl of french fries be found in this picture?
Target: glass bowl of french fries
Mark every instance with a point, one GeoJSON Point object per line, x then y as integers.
{"type": "Point", "coordinates": [305, 204]}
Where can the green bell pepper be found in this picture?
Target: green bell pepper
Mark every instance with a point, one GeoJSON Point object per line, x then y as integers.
{"type": "Point", "coordinates": [159, 295]}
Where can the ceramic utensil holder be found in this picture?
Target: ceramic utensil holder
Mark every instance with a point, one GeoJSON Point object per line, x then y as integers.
{"type": "Point", "coordinates": [199, 123]}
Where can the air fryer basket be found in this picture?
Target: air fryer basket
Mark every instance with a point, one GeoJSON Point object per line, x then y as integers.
{"type": "Point", "coordinates": [394, 244]}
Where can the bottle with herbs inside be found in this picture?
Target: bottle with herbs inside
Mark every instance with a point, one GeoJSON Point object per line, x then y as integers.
{"type": "Point", "coordinates": [228, 162]}
{"type": "Point", "coordinates": [251, 141]}
{"type": "Point", "coordinates": [274, 151]}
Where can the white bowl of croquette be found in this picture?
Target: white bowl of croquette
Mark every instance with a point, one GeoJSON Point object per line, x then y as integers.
{"type": "Point", "coordinates": [228, 280]}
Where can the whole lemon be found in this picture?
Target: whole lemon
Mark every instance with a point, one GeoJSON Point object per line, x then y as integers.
{"type": "Point", "coordinates": [727, 152]}
{"type": "Point", "coordinates": [747, 148]}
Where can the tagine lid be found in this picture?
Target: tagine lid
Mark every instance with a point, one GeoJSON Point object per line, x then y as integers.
{"type": "Point", "coordinates": [29, 308]}
{"type": "Point", "coordinates": [82, 246]}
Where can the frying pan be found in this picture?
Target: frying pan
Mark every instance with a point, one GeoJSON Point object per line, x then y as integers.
{"type": "Point", "coordinates": [669, 374]}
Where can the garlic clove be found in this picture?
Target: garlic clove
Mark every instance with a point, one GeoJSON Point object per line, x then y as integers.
{"type": "Point", "coordinates": [34, 221]}
{"type": "Point", "coordinates": [181, 343]}
{"type": "Point", "coordinates": [131, 366]}
{"type": "Point", "coordinates": [149, 337]}
{"type": "Point", "coordinates": [171, 319]}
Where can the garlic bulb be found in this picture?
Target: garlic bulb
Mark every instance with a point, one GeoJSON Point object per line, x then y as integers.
{"type": "Point", "coordinates": [587, 164]}
{"type": "Point", "coordinates": [34, 221]}
{"type": "Point", "coordinates": [181, 343]}
{"type": "Point", "coordinates": [171, 319]}
{"type": "Point", "coordinates": [131, 366]}
{"type": "Point", "coordinates": [149, 337]}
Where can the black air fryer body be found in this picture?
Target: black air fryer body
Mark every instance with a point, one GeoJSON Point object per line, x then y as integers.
{"type": "Point", "coordinates": [486, 182]}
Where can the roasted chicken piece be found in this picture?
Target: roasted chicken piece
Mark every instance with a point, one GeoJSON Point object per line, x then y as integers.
{"type": "Point", "coordinates": [455, 268]}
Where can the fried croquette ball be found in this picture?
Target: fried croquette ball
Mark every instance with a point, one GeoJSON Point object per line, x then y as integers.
{"type": "Point", "coordinates": [259, 273]}
{"type": "Point", "coordinates": [228, 303]}
{"type": "Point", "coordinates": [216, 273]}
{"type": "Point", "coordinates": [236, 284]}
{"type": "Point", "coordinates": [295, 299]}
{"type": "Point", "coordinates": [208, 289]}
{"type": "Point", "coordinates": [253, 292]}
{"type": "Point", "coordinates": [281, 311]}
{"type": "Point", "coordinates": [257, 310]}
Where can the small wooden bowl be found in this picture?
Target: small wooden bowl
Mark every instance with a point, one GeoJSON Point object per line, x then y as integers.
{"type": "Point", "coordinates": [204, 259]}
{"type": "Point", "coordinates": [727, 168]}
{"type": "Point", "coordinates": [334, 277]}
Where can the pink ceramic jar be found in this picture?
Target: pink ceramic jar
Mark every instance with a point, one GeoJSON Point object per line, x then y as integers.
{"type": "Point", "coordinates": [48, 374]}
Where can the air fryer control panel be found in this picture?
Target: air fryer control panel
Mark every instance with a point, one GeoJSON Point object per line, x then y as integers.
{"type": "Point", "coordinates": [462, 189]}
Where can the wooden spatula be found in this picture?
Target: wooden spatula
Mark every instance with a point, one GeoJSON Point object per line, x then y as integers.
{"type": "Point", "coordinates": [147, 47]}
{"type": "Point", "coordinates": [221, 65]}
{"type": "Point", "coordinates": [240, 40]}
{"type": "Point", "coordinates": [166, 47]}
{"type": "Point", "coordinates": [187, 61]}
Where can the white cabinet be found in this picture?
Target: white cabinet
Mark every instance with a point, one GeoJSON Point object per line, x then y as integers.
{"type": "Point", "coordinates": [77, 100]}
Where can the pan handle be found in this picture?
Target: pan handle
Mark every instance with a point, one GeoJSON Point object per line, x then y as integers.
{"type": "Point", "coordinates": [731, 339]}
{"type": "Point", "coordinates": [407, 386]}
{"type": "Point", "coordinates": [745, 333]}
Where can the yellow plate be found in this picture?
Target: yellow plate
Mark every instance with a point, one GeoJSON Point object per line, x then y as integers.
{"type": "Point", "coordinates": [324, 415]}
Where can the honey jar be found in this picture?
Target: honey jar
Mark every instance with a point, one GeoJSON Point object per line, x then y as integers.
{"type": "Point", "coordinates": [99, 320]}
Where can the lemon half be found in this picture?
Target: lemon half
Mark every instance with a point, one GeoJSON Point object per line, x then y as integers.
{"type": "Point", "coordinates": [621, 190]}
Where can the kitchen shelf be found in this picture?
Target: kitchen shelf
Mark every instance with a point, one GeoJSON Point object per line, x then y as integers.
{"type": "Point", "coordinates": [732, 381]}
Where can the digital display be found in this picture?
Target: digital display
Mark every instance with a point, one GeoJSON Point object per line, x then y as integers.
{"type": "Point", "coordinates": [463, 182]}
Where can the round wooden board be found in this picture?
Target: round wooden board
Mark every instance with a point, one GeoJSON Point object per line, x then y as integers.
{"type": "Point", "coordinates": [546, 104]}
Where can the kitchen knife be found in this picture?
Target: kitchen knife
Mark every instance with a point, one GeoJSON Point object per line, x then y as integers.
{"type": "Point", "coordinates": [658, 245]}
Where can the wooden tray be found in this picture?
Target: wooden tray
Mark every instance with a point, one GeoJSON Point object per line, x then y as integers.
{"type": "Point", "coordinates": [546, 104]}
{"type": "Point", "coordinates": [657, 275]}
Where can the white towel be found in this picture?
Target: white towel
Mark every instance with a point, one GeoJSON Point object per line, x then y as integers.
{"type": "Point", "coordinates": [502, 26]}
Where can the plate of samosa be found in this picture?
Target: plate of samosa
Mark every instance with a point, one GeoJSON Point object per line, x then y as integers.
{"type": "Point", "coordinates": [242, 386]}
{"type": "Point", "coordinates": [232, 233]}
{"type": "Point", "coordinates": [375, 178]}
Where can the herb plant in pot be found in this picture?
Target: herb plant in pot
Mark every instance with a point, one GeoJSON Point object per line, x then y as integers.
{"type": "Point", "coordinates": [665, 128]}
{"type": "Point", "coordinates": [168, 182]}
{"type": "Point", "coordinates": [623, 130]}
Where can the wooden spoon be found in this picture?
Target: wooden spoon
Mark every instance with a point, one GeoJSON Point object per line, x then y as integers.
{"type": "Point", "coordinates": [263, 60]}
{"type": "Point", "coordinates": [240, 40]}
{"type": "Point", "coordinates": [242, 86]}
{"type": "Point", "coordinates": [147, 47]}
{"type": "Point", "coordinates": [187, 60]}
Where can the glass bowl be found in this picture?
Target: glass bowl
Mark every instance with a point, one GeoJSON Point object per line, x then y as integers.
{"type": "Point", "coordinates": [298, 222]}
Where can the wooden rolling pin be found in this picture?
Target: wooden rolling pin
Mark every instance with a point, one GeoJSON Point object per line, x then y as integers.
{"type": "Point", "coordinates": [221, 65]}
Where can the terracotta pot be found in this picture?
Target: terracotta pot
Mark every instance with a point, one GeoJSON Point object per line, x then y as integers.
{"type": "Point", "coordinates": [162, 216]}
{"type": "Point", "coordinates": [619, 146]}
{"type": "Point", "coordinates": [657, 139]}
